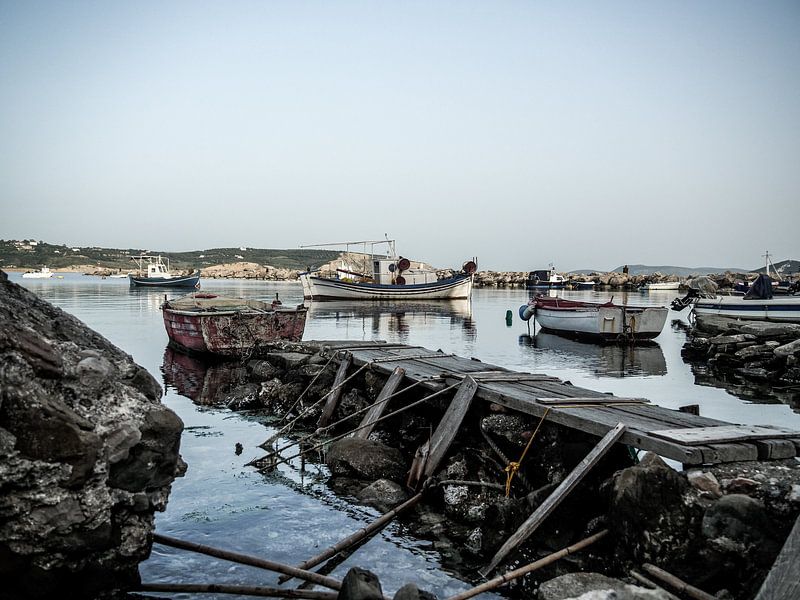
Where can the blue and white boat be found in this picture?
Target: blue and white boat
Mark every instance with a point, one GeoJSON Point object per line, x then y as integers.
{"type": "Point", "coordinates": [545, 280]}
{"type": "Point", "coordinates": [389, 277]}
{"type": "Point", "coordinates": [152, 272]}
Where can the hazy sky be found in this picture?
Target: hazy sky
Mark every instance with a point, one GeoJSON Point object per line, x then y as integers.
{"type": "Point", "coordinates": [587, 134]}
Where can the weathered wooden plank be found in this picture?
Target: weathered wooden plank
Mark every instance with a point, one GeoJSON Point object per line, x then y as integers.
{"type": "Point", "coordinates": [722, 433]}
{"type": "Point", "coordinates": [783, 579]}
{"type": "Point", "coordinates": [592, 400]}
{"type": "Point", "coordinates": [333, 397]}
{"type": "Point", "coordinates": [564, 488]}
{"type": "Point", "coordinates": [775, 449]}
{"type": "Point", "coordinates": [449, 425]}
{"type": "Point", "coordinates": [379, 407]}
{"type": "Point", "coordinates": [722, 453]}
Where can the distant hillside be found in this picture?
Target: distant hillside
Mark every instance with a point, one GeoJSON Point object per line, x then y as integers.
{"type": "Point", "coordinates": [30, 254]}
{"type": "Point", "coordinates": [784, 268]}
{"type": "Point", "coordinates": [679, 271]}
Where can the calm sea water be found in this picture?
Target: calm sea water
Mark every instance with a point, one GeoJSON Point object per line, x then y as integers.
{"type": "Point", "coordinates": [289, 516]}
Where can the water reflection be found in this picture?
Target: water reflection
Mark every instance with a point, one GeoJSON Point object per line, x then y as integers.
{"type": "Point", "coordinates": [605, 360]}
{"type": "Point", "coordinates": [204, 382]}
{"type": "Point", "coordinates": [395, 320]}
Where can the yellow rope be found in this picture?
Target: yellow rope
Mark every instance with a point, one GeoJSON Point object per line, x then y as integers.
{"type": "Point", "coordinates": [513, 467]}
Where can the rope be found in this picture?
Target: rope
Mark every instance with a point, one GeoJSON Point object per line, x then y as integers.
{"type": "Point", "coordinates": [513, 467]}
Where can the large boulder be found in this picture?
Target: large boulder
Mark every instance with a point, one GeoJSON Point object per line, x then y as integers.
{"type": "Point", "coordinates": [365, 459]}
{"type": "Point", "coordinates": [89, 453]}
{"type": "Point", "coordinates": [595, 586]}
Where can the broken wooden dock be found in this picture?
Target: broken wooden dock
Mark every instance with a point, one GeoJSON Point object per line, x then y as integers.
{"type": "Point", "coordinates": [687, 438]}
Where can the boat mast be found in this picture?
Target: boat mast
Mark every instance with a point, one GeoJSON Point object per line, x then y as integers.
{"type": "Point", "coordinates": [767, 264]}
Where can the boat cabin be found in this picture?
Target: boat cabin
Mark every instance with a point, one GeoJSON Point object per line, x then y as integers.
{"type": "Point", "coordinates": [152, 266]}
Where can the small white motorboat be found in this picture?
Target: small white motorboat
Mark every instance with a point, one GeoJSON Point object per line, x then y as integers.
{"type": "Point", "coordinates": [44, 273]}
{"type": "Point", "coordinates": [661, 285]}
{"type": "Point", "coordinates": [607, 321]}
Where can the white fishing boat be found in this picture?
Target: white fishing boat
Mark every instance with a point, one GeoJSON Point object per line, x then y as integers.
{"type": "Point", "coordinates": [607, 321]}
{"type": "Point", "coordinates": [43, 273]}
{"type": "Point", "coordinates": [544, 279]}
{"type": "Point", "coordinates": [386, 277]}
{"type": "Point", "coordinates": [153, 272]}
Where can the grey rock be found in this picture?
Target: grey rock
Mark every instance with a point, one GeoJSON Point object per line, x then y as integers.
{"type": "Point", "coordinates": [513, 427]}
{"type": "Point", "coordinates": [383, 494]}
{"type": "Point", "coordinates": [765, 329]}
{"type": "Point", "coordinates": [721, 340]}
{"type": "Point", "coordinates": [411, 592]}
{"type": "Point", "coordinates": [751, 353]}
{"type": "Point", "coordinates": [289, 360]}
{"type": "Point", "coordinates": [596, 586]}
{"type": "Point", "coordinates": [705, 482]}
{"type": "Point", "coordinates": [738, 524]}
{"type": "Point", "coordinates": [244, 397]}
{"type": "Point", "coordinates": [360, 584]}
{"type": "Point", "coordinates": [790, 349]}
{"type": "Point", "coordinates": [263, 370]}
{"type": "Point", "coordinates": [365, 459]}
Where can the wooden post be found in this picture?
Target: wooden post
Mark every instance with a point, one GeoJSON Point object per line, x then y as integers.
{"type": "Point", "coordinates": [356, 537]}
{"type": "Point", "coordinates": [542, 562]}
{"type": "Point", "coordinates": [336, 391]}
{"type": "Point", "coordinates": [243, 590]}
{"type": "Point", "coordinates": [432, 453]}
{"type": "Point", "coordinates": [379, 407]}
{"type": "Point", "coordinates": [253, 561]}
{"type": "Point", "coordinates": [783, 579]}
{"type": "Point", "coordinates": [564, 488]}
{"type": "Point", "coordinates": [679, 584]}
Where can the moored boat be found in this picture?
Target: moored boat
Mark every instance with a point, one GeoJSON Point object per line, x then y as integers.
{"type": "Point", "coordinates": [152, 272]}
{"type": "Point", "coordinates": [606, 321]}
{"type": "Point", "coordinates": [211, 324]}
{"type": "Point", "coordinates": [758, 304]}
{"type": "Point", "coordinates": [389, 277]}
{"type": "Point", "coordinates": [661, 285]}
{"type": "Point", "coordinates": [544, 279]}
{"type": "Point", "coordinates": [43, 273]}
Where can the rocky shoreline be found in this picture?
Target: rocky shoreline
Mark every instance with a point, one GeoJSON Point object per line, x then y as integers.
{"type": "Point", "coordinates": [483, 279]}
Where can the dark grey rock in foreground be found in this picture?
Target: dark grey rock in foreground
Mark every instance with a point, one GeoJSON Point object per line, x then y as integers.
{"type": "Point", "coordinates": [89, 454]}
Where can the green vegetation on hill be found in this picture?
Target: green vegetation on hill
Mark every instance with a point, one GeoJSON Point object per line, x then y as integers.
{"type": "Point", "coordinates": [30, 254]}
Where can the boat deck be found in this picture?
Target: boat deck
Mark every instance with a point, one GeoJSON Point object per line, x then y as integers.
{"type": "Point", "coordinates": [687, 438]}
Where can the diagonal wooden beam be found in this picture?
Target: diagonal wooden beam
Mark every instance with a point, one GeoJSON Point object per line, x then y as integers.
{"type": "Point", "coordinates": [379, 407]}
{"type": "Point", "coordinates": [552, 501]}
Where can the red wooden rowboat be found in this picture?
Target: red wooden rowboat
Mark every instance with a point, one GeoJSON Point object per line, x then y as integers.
{"type": "Point", "coordinates": [211, 324]}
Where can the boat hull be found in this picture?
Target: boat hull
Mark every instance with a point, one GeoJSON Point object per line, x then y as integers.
{"type": "Point", "coordinates": [606, 323]}
{"type": "Point", "coordinates": [189, 281]}
{"type": "Point", "coordinates": [786, 309]}
{"type": "Point", "coordinates": [320, 288]}
{"type": "Point", "coordinates": [231, 332]}
{"type": "Point", "coordinates": [664, 285]}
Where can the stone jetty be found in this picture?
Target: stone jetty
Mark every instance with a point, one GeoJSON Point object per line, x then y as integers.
{"type": "Point", "coordinates": [88, 455]}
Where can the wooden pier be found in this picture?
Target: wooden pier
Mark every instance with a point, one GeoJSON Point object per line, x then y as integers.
{"type": "Point", "coordinates": [687, 438]}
